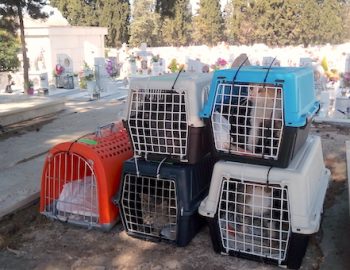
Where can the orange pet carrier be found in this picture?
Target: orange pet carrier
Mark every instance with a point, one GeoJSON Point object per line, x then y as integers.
{"type": "Point", "coordinates": [80, 177]}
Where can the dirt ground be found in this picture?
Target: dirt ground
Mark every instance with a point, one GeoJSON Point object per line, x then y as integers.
{"type": "Point", "coordinates": [29, 240]}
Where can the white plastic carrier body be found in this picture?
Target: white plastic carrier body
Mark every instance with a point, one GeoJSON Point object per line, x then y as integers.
{"type": "Point", "coordinates": [195, 86]}
{"type": "Point", "coordinates": [306, 180]}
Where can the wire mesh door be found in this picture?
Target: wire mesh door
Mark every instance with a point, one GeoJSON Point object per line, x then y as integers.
{"type": "Point", "coordinates": [158, 122]}
{"type": "Point", "coordinates": [71, 190]}
{"type": "Point", "coordinates": [149, 206]}
{"type": "Point", "coordinates": [247, 119]}
{"type": "Point", "coordinates": [254, 219]}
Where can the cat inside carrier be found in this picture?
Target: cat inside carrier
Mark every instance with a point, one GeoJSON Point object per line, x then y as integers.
{"type": "Point", "coordinates": [80, 177]}
{"type": "Point", "coordinates": [149, 206]}
{"type": "Point", "coordinates": [254, 219]}
{"type": "Point", "coordinates": [159, 201]}
{"type": "Point", "coordinates": [260, 115]}
{"type": "Point", "coordinates": [248, 119]}
{"type": "Point", "coordinates": [163, 117]}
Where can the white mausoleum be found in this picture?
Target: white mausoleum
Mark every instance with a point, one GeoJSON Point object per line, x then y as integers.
{"type": "Point", "coordinates": [53, 41]}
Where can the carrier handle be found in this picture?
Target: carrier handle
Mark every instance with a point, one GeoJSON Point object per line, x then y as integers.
{"type": "Point", "coordinates": [111, 126]}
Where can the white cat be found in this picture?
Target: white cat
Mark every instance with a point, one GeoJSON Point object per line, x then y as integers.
{"type": "Point", "coordinates": [254, 204]}
{"type": "Point", "coordinates": [266, 111]}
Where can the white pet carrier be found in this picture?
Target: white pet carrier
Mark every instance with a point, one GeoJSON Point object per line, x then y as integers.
{"type": "Point", "coordinates": [267, 213]}
{"type": "Point", "coordinates": [163, 116]}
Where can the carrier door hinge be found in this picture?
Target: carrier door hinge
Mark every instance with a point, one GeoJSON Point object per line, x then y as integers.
{"type": "Point", "coordinates": [182, 211]}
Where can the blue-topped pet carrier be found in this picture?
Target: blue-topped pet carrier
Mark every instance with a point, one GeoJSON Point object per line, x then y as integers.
{"type": "Point", "coordinates": [158, 201]}
{"type": "Point", "coordinates": [260, 115]}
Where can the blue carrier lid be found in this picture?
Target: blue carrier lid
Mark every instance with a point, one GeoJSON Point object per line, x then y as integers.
{"type": "Point", "coordinates": [299, 98]}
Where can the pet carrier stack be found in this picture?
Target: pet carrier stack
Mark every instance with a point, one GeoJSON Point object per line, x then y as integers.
{"type": "Point", "coordinates": [171, 171]}
{"type": "Point", "coordinates": [80, 178]}
{"type": "Point", "coordinates": [261, 115]}
{"type": "Point", "coordinates": [267, 191]}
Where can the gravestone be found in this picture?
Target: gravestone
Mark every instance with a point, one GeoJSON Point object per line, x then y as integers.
{"type": "Point", "coordinates": [347, 63]}
{"type": "Point", "coordinates": [267, 60]}
{"type": "Point", "coordinates": [65, 79]}
{"type": "Point", "coordinates": [194, 65]}
{"type": "Point", "coordinates": [240, 59]}
{"type": "Point", "coordinates": [66, 62]}
{"type": "Point", "coordinates": [101, 73]}
{"type": "Point", "coordinates": [305, 62]}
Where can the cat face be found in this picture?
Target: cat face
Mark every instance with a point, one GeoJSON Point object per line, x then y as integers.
{"type": "Point", "coordinates": [260, 93]}
{"type": "Point", "coordinates": [254, 200]}
{"type": "Point", "coordinates": [258, 199]}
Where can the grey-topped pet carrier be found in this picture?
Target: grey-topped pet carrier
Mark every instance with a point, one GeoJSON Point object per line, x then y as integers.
{"type": "Point", "coordinates": [163, 116]}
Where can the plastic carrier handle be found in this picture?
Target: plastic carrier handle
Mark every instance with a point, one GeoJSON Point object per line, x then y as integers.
{"type": "Point", "coordinates": [111, 126]}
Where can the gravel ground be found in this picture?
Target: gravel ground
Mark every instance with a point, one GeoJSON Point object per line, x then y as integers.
{"type": "Point", "coordinates": [29, 240]}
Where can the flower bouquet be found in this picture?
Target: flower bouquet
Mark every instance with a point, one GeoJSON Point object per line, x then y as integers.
{"type": "Point", "coordinates": [59, 70]}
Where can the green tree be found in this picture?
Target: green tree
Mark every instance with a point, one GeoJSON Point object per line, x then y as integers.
{"type": "Point", "coordinates": [308, 28]}
{"type": "Point", "coordinates": [208, 24]}
{"type": "Point", "coordinates": [115, 14]}
{"type": "Point", "coordinates": [346, 20]}
{"type": "Point", "coordinates": [145, 24]}
{"type": "Point", "coordinates": [8, 51]}
{"type": "Point", "coordinates": [16, 8]}
{"type": "Point", "coordinates": [331, 22]}
{"type": "Point", "coordinates": [8, 39]}
{"type": "Point", "coordinates": [166, 8]}
{"type": "Point", "coordinates": [78, 12]}
{"type": "Point", "coordinates": [240, 22]}
{"type": "Point", "coordinates": [177, 31]}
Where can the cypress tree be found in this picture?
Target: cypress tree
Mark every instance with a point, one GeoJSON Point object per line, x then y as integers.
{"type": "Point", "coordinates": [166, 8]}
{"type": "Point", "coordinates": [331, 22]}
{"type": "Point", "coordinates": [208, 24]}
{"type": "Point", "coordinates": [308, 27]}
{"type": "Point", "coordinates": [240, 21]}
{"type": "Point", "coordinates": [115, 15]}
{"type": "Point", "coordinates": [176, 31]}
{"type": "Point", "coordinates": [145, 24]}
{"type": "Point", "coordinates": [78, 12]}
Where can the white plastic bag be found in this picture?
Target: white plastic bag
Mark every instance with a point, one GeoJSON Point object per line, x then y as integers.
{"type": "Point", "coordinates": [221, 128]}
{"type": "Point", "coordinates": [79, 197]}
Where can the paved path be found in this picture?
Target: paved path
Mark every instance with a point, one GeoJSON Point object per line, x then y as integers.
{"type": "Point", "coordinates": [22, 156]}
